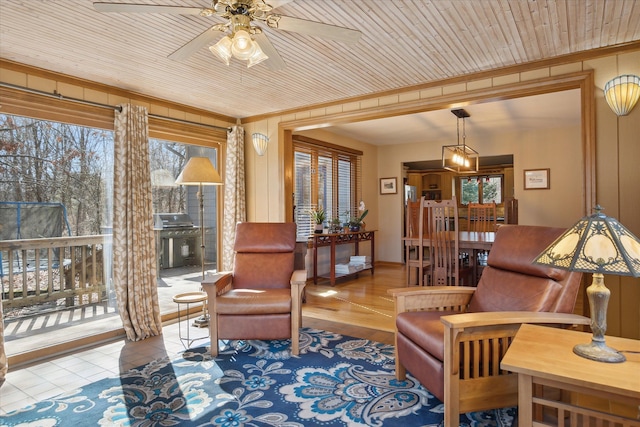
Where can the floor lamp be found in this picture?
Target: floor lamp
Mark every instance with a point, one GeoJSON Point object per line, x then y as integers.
{"type": "Point", "coordinates": [199, 171]}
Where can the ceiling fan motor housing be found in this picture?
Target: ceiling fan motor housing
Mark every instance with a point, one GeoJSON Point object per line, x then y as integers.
{"type": "Point", "coordinates": [240, 22]}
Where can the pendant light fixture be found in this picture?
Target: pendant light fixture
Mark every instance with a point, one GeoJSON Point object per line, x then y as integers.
{"type": "Point", "coordinates": [460, 158]}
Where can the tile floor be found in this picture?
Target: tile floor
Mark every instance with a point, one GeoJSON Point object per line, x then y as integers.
{"type": "Point", "coordinates": [49, 378]}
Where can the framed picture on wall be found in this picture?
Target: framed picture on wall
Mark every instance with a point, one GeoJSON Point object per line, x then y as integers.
{"type": "Point", "coordinates": [536, 179]}
{"type": "Point", "coordinates": [388, 185]}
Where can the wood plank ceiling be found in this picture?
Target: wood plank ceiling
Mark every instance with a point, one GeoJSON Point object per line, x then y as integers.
{"type": "Point", "coordinates": [404, 43]}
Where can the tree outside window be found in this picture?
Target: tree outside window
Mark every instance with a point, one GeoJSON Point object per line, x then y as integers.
{"type": "Point", "coordinates": [481, 189]}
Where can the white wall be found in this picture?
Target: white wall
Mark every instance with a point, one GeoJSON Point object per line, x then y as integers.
{"type": "Point", "coordinates": [559, 206]}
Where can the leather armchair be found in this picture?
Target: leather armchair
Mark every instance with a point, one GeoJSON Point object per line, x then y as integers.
{"type": "Point", "coordinates": [261, 297]}
{"type": "Point", "coordinates": [452, 338]}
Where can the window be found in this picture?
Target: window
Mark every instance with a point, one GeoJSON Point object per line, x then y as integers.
{"type": "Point", "coordinates": [481, 189]}
{"type": "Point", "coordinates": [167, 159]}
{"type": "Point", "coordinates": [47, 162]}
{"type": "Point", "coordinates": [53, 162]}
{"type": "Point", "coordinates": [326, 177]}
{"type": "Point", "coordinates": [58, 155]}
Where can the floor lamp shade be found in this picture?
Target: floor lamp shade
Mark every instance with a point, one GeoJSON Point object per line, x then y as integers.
{"type": "Point", "coordinates": [199, 170]}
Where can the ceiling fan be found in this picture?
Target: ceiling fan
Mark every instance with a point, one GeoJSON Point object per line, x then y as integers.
{"type": "Point", "coordinates": [243, 41]}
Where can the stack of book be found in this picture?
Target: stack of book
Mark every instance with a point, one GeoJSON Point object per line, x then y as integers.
{"type": "Point", "coordinates": [356, 263]}
{"type": "Point", "coordinates": [347, 268]}
{"type": "Point", "coordinates": [361, 262]}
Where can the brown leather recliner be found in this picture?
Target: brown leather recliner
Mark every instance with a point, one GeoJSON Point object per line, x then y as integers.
{"type": "Point", "coordinates": [261, 297]}
{"type": "Point", "coordinates": [457, 356]}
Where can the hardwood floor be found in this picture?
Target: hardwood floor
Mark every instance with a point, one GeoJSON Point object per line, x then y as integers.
{"type": "Point", "coordinates": [358, 307]}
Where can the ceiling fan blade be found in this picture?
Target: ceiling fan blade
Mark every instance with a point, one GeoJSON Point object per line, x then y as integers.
{"type": "Point", "coordinates": [146, 8]}
{"type": "Point", "coordinates": [312, 28]}
{"type": "Point", "coordinates": [275, 61]}
{"type": "Point", "coordinates": [191, 47]}
{"type": "Point", "coordinates": [277, 3]}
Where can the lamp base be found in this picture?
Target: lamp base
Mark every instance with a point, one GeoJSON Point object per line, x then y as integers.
{"type": "Point", "coordinates": [599, 352]}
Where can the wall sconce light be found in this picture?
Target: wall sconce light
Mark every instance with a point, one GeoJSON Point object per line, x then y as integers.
{"type": "Point", "coordinates": [260, 143]}
{"type": "Point", "coordinates": [622, 93]}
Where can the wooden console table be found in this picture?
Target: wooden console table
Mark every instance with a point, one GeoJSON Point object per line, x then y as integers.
{"type": "Point", "coordinates": [543, 358]}
{"type": "Point", "coordinates": [333, 240]}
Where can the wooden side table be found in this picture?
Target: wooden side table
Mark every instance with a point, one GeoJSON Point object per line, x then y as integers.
{"type": "Point", "coordinates": [334, 239]}
{"type": "Point", "coordinates": [544, 360]}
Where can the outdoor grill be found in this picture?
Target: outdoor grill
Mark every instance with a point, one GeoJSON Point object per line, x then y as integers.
{"type": "Point", "coordinates": [178, 240]}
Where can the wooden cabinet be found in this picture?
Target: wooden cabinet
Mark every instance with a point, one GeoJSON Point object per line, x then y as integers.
{"type": "Point", "coordinates": [431, 186]}
{"type": "Point", "coordinates": [437, 185]}
{"type": "Point", "coordinates": [446, 184]}
{"type": "Point", "coordinates": [415, 179]}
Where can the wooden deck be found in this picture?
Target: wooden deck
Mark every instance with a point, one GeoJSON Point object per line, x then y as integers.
{"type": "Point", "coordinates": [30, 329]}
{"type": "Point", "coordinates": [362, 302]}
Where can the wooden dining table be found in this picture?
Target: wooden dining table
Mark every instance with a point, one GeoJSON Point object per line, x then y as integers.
{"type": "Point", "coordinates": [472, 242]}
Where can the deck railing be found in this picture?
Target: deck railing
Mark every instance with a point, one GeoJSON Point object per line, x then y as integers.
{"type": "Point", "coordinates": [37, 271]}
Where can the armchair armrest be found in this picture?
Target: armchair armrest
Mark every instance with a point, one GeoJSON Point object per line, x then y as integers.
{"type": "Point", "coordinates": [494, 318]}
{"type": "Point", "coordinates": [299, 277]}
{"type": "Point", "coordinates": [221, 281]}
{"type": "Point", "coordinates": [298, 282]}
{"type": "Point", "coordinates": [431, 298]}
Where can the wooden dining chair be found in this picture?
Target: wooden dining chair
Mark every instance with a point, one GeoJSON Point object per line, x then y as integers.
{"type": "Point", "coordinates": [482, 217]}
{"type": "Point", "coordinates": [416, 228]}
{"type": "Point", "coordinates": [446, 267]}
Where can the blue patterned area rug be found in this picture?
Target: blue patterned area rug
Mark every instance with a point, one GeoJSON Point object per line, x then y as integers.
{"type": "Point", "coordinates": [335, 381]}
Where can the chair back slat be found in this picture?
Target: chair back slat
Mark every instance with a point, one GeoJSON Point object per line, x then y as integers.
{"type": "Point", "coordinates": [482, 217]}
{"type": "Point", "coordinates": [413, 218]}
{"type": "Point", "coordinates": [444, 249]}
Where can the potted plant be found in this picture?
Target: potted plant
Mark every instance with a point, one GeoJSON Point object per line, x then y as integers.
{"type": "Point", "coordinates": [336, 227]}
{"type": "Point", "coordinates": [355, 222]}
{"type": "Point", "coordinates": [318, 216]}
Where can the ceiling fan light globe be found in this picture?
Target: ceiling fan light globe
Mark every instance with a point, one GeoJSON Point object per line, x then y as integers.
{"type": "Point", "coordinates": [242, 46]}
{"type": "Point", "coordinates": [257, 57]}
{"type": "Point", "coordinates": [222, 49]}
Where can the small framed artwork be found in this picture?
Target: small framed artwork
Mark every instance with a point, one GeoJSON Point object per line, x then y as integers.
{"type": "Point", "coordinates": [536, 179]}
{"type": "Point", "coordinates": [388, 185]}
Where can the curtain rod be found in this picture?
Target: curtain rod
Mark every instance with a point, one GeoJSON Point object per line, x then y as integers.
{"type": "Point", "coordinates": [59, 96]}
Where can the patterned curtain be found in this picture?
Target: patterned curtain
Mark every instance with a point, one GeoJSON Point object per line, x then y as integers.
{"type": "Point", "coordinates": [3, 354]}
{"type": "Point", "coordinates": [134, 264]}
{"type": "Point", "coordinates": [235, 208]}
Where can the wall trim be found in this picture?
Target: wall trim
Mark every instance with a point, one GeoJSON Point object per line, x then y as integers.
{"type": "Point", "coordinates": [583, 80]}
